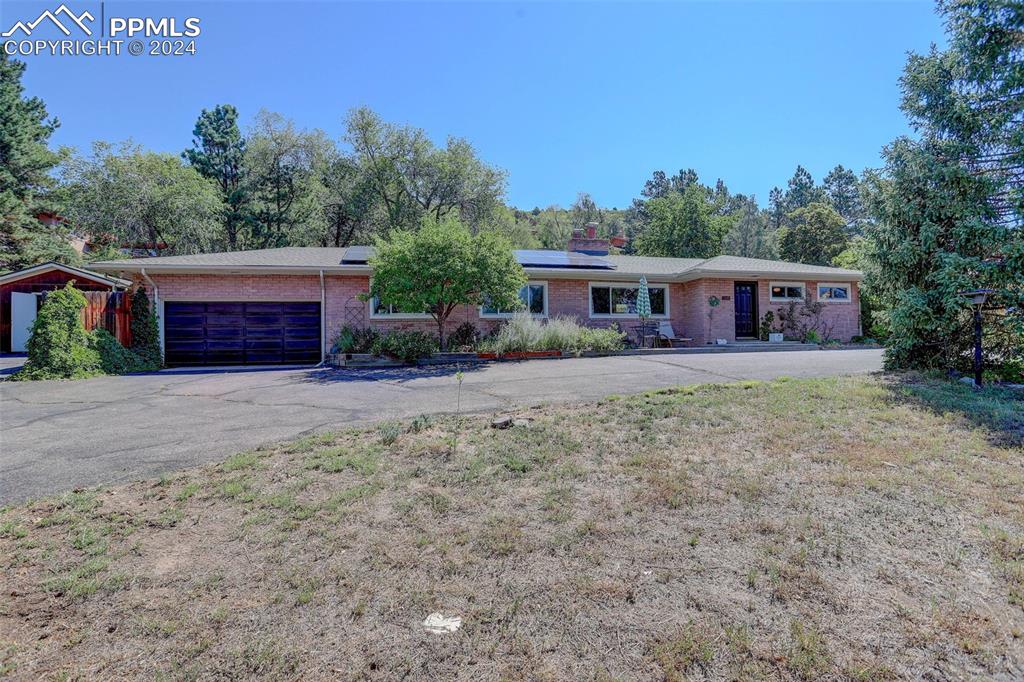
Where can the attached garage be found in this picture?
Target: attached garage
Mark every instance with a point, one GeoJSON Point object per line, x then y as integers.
{"type": "Point", "coordinates": [241, 333]}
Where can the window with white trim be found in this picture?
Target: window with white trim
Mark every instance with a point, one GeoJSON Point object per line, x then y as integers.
{"type": "Point", "coordinates": [834, 293]}
{"type": "Point", "coordinates": [378, 309]}
{"type": "Point", "coordinates": [619, 300]}
{"type": "Point", "coordinates": [786, 291]}
{"type": "Point", "coordinates": [534, 296]}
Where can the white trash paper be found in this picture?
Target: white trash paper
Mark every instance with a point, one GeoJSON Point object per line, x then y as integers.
{"type": "Point", "coordinates": [437, 622]}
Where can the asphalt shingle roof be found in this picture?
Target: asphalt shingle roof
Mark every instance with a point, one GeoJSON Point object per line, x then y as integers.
{"type": "Point", "coordinates": [298, 256]}
{"type": "Point", "coordinates": [758, 265]}
{"type": "Point", "coordinates": [651, 265]}
{"type": "Point", "coordinates": [329, 257]}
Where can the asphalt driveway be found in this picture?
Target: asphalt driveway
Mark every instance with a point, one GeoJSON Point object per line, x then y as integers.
{"type": "Point", "coordinates": [56, 436]}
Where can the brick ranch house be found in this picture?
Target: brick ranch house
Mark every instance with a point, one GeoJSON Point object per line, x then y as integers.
{"type": "Point", "coordinates": [285, 305]}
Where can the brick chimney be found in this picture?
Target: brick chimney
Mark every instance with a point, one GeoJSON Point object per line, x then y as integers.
{"type": "Point", "coordinates": [586, 241]}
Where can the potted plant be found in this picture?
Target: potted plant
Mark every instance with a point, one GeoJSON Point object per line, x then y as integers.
{"type": "Point", "coordinates": [766, 329]}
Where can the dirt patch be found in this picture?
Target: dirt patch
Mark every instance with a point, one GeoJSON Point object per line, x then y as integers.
{"type": "Point", "coordinates": [785, 530]}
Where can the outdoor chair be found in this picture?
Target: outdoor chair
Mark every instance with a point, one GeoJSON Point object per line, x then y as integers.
{"type": "Point", "coordinates": [667, 334]}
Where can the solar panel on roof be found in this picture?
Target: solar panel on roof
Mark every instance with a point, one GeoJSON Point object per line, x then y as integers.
{"type": "Point", "coordinates": [561, 259]}
{"type": "Point", "coordinates": [357, 255]}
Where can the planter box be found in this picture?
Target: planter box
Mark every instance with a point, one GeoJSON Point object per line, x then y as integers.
{"type": "Point", "coordinates": [525, 354]}
{"type": "Point", "coordinates": [448, 358]}
{"type": "Point", "coordinates": [360, 360]}
{"type": "Point", "coordinates": [775, 338]}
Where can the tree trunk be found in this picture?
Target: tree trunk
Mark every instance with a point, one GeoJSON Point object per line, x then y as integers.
{"type": "Point", "coordinates": [440, 333]}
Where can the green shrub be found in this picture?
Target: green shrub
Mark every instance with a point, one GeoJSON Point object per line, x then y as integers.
{"type": "Point", "coordinates": [116, 359]}
{"type": "Point", "coordinates": [799, 321]}
{"type": "Point", "coordinates": [1011, 371]}
{"type": "Point", "coordinates": [145, 331]}
{"type": "Point", "coordinates": [58, 347]}
{"type": "Point", "coordinates": [405, 346]}
{"type": "Point", "coordinates": [607, 340]}
{"type": "Point", "coordinates": [767, 325]}
{"type": "Point", "coordinates": [523, 333]}
{"type": "Point", "coordinates": [559, 333]}
{"type": "Point", "coordinates": [465, 337]}
{"type": "Point", "coordinates": [355, 340]}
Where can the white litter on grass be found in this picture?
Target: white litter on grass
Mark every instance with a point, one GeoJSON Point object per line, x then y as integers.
{"type": "Point", "coordinates": [437, 622]}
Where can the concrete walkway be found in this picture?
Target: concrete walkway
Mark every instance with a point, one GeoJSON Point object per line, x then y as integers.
{"type": "Point", "coordinates": [55, 436]}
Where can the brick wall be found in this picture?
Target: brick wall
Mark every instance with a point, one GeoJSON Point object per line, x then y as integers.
{"type": "Point", "coordinates": [236, 287]}
{"type": "Point", "coordinates": [844, 318]}
{"type": "Point", "coordinates": [687, 303]}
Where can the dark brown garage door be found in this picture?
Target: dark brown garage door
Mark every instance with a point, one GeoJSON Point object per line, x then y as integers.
{"type": "Point", "coordinates": [241, 333]}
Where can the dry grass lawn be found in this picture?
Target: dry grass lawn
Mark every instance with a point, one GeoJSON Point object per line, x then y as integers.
{"type": "Point", "coordinates": [857, 528]}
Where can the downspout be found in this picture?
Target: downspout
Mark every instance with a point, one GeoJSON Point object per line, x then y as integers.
{"type": "Point", "coordinates": [860, 310]}
{"type": "Point", "coordinates": [323, 320]}
{"type": "Point", "coordinates": [156, 307]}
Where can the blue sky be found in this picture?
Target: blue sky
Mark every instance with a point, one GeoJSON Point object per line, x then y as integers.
{"type": "Point", "coordinates": [565, 97]}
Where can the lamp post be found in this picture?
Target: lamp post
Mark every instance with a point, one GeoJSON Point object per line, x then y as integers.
{"type": "Point", "coordinates": [977, 298]}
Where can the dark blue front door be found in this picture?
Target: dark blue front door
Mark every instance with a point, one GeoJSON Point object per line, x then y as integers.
{"type": "Point", "coordinates": [746, 309]}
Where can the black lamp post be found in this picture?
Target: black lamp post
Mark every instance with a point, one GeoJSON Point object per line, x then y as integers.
{"type": "Point", "coordinates": [977, 298]}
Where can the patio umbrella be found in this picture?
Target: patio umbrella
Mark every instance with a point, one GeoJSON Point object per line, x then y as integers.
{"type": "Point", "coordinates": [643, 308]}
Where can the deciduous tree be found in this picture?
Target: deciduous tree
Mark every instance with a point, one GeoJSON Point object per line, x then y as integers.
{"type": "Point", "coordinates": [442, 266]}
{"type": "Point", "coordinates": [584, 210]}
{"type": "Point", "coordinates": [283, 167]}
{"type": "Point", "coordinates": [348, 201]}
{"type": "Point", "coordinates": [413, 178]}
{"type": "Point", "coordinates": [132, 196]}
{"type": "Point", "coordinates": [683, 225]}
{"type": "Point", "coordinates": [815, 235]}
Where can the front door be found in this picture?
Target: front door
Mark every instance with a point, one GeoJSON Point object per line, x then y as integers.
{"type": "Point", "coordinates": [745, 297]}
{"type": "Point", "coordinates": [23, 315]}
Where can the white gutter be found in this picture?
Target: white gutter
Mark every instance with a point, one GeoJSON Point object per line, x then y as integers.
{"type": "Point", "coordinates": [156, 307]}
{"type": "Point", "coordinates": [847, 276]}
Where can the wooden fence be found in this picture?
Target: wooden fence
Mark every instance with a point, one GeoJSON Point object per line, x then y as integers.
{"type": "Point", "coordinates": [110, 310]}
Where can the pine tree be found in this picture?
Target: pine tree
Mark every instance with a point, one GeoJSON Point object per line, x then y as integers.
{"type": "Point", "coordinates": [801, 190]}
{"type": "Point", "coordinates": [776, 208]}
{"type": "Point", "coordinates": [750, 236]}
{"type": "Point", "coordinates": [949, 203]}
{"type": "Point", "coordinates": [25, 181]}
{"type": "Point", "coordinates": [218, 150]}
{"type": "Point", "coordinates": [843, 191]}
